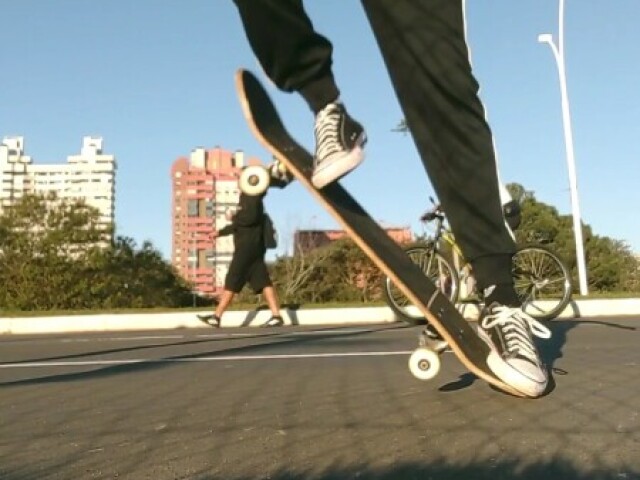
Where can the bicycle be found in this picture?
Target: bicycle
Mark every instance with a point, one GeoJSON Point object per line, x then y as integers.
{"type": "Point", "coordinates": [542, 279]}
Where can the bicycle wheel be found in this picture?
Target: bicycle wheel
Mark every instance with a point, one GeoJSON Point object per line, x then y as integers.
{"type": "Point", "coordinates": [440, 272]}
{"type": "Point", "coordinates": [542, 281]}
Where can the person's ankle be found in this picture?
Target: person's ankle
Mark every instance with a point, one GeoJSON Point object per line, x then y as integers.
{"type": "Point", "coordinates": [504, 294]}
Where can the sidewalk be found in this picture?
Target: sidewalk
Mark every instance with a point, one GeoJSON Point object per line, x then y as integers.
{"type": "Point", "coordinates": [584, 309]}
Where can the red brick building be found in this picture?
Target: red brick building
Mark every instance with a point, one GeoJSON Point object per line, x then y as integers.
{"type": "Point", "coordinates": [204, 187]}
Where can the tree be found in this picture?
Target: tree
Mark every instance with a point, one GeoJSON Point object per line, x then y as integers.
{"type": "Point", "coordinates": [339, 271]}
{"type": "Point", "coordinates": [295, 275]}
{"type": "Point", "coordinates": [125, 276]}
{"type": "Point", "coordinates": [302, 277]}
{"type": "Point", "coordinates": [359, 275]}
{"type": "Point", "coordinates": [54, 254]}
{"type": "Point", "coordinates": [42, 239]}
{"type": "Point", "coordinates": [610, 263]}
{"type": "Point", "coordinates": [612, 266]}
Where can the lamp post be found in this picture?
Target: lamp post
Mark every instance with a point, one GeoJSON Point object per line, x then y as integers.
{"type": "Point", "coordinates": [558, 55]}
{"type": "Point", "coordinates": [193, 266]}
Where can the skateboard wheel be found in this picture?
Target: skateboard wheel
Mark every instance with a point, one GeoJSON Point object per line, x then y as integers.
{"type": "Point", "coordinates": [254, 180]}
{"type": "Point", "coordinates": [424, 363]}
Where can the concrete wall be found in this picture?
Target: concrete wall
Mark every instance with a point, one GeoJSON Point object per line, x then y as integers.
{"type": "Point", "coordinates": [324, 316]}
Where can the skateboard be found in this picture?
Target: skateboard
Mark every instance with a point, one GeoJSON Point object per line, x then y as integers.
{"type": "Point", "coordinates": [458, 335]}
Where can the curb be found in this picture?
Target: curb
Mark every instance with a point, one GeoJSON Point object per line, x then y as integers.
{"type": "Point", "coordinates": [172, 321]}
{"type": "Point", "coordinates": [583, 309]}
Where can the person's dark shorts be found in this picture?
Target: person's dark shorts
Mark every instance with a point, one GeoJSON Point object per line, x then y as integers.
{"type": "Point", "coordinates": [245, 269]}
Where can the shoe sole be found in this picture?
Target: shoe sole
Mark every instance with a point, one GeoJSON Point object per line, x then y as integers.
{"type": "Point", "coordinates": [333, 170]}
{"type": "Point", "coordinates": [511, 376]}
{"type": "Point", "coordinates": [207, 320]}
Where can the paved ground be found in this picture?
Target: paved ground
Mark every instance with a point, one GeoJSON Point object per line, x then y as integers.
{"type": "Point", "coordinates": [310, 404]}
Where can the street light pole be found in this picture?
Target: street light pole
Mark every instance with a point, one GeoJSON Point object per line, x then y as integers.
{"type": "Point", "coordinates": [193, 267]}
{"type": "Point", "coordinates": [558, 55]}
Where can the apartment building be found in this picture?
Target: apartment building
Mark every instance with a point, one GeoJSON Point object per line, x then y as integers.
{"type": "Point", "coordinates": [88, 175]}
{"type": "Point", "coordinates": [204, 187]}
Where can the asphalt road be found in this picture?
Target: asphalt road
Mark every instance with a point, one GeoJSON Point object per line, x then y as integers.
{"type": "Point", "coordinates": [311, 403]}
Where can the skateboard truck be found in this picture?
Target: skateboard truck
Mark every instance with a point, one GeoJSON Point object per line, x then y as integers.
{"type": "Point", "coordinates": [424, 362]}
{"type": "Point", "coordinates": [255, 179]}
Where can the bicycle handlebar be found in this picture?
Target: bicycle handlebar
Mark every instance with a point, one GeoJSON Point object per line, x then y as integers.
{"type": "Point", "coordinates": [433, 214]}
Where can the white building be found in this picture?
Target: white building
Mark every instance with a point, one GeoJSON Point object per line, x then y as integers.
{"type": "Point", "coordinates": [89, 175]}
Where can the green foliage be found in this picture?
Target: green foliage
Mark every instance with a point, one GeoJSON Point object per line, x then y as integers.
{"type": "Point", "coordinates": [54, 255]}
{"type": "Point", "coordinates": [611, 266]}
{"type": "Point", "coordinates": [124, 276]}
{"type": "Point", "coordinates": [338, 272]}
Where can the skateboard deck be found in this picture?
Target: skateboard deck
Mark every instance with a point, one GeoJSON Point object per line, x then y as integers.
{"type": "Point", "coordinates": [266, 125]}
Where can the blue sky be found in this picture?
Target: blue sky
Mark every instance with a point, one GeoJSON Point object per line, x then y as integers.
{"type": "Point", "coordinates": [154, 78]}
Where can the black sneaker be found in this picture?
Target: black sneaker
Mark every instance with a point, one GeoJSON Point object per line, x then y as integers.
{"type": "Point", "coordinates": [339, 144]}
{"type": "Point", "coordinates": [514, 358]}
{"type": "Point", "coordinates": [212, 320]}
{"type": "Point", "coordinates": [274, 321]}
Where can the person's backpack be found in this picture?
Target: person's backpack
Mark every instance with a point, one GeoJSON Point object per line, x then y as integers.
{"type": "Point", "coordinates": [269, 233]}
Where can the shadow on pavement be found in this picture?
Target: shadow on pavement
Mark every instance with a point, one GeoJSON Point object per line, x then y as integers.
{"type": "Point", "coordinates": [551, 350]}
{"type": "Point", "coordinates": [277, 336]}
{"type": "Point", "coordinates": [555, 469]}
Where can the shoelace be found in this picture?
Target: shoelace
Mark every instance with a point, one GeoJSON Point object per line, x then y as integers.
{"type": "Point", "coordinates": [326, 131]}
{"type": "Point", "coordinates": [515, 326]}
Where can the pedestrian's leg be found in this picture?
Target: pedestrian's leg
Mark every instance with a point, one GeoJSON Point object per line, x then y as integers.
{"type": "Point", "coordinates": [234, 281]}
{"type": "Point", "coordinates": [260, 282]}
{"type": "Point", "coordinates": [271, 297]}
{"type": "Point", "coordinates": [225, 300]}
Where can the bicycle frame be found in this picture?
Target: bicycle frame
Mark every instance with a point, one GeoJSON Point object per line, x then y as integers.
{"type": "Point", "coordinates": [462, 267]}
{"type": "Point", "coordinates": [541, 279]}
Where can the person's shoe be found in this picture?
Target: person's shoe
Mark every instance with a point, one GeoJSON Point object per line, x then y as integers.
{"type": "Point", "coordinates": [211, 319]}
{"type": "Point", "coordinates": [339, 145]}
{"type": "Point", "coordinates": [514, 358]}
{"type": "Point", "coordinates": [274, 321]}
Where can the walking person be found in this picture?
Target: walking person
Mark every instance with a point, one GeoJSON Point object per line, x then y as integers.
{"type": "Point", "coordinates": [248, 261]}
{"type": "Point", "coordinates": [424, 48]}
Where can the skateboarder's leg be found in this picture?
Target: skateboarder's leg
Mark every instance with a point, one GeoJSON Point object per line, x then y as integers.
{"type": "Point", "coordinates": [423, 44]}
{"type": "Point", "coordinates": [424, 47]}
{"type": "Point", "coordinates": [292, 54]}
{"type": "Point", "coordinates": [298, 59]}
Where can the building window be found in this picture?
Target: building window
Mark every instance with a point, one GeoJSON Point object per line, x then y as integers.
{"type": "Point", "coordinates": [192, 208]}
{"type": "Point", "coordinates": [210, 208]}
{"type": "Point", "coordinates": [193, 258]}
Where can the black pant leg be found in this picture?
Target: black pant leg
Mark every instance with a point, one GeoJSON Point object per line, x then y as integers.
{"type": "Point", "coordinates": [424, 47]}
{"type": "Point", "coordinates": [259, 277]}
{"type": "Point", "coordinates": [293, 55]}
